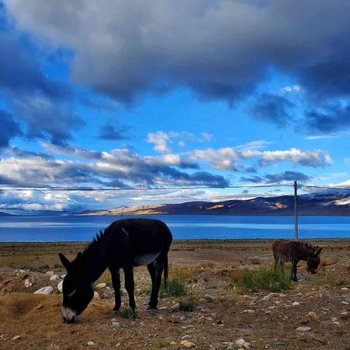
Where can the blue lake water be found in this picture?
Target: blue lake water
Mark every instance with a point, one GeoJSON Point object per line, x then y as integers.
{"type": "Point", "coordinates": [84, 228]}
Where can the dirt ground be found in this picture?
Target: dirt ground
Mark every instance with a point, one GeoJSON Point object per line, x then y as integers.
{"type": "Point", "coordinates": [223, 318]}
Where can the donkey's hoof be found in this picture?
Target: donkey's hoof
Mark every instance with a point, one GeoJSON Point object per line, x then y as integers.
{"type": "Point", "coordinates": [152, 309]}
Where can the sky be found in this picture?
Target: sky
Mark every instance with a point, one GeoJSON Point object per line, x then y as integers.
{"type": "Point", "coordinates": [120, 103]}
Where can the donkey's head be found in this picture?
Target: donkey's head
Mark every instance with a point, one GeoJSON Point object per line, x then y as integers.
{"type": "Point", "coordinates": [77, 291]}
{"type": "Point", "coordinates": [314, 260]}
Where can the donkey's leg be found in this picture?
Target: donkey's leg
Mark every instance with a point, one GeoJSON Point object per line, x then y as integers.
{"type": "Point", "coordinates": [116, 286]}
{"type": "Point", "coordinates": [155, 269]}
{"type": "Point", "coordinates": [294, 270]}
{"type": "Point", "coordinates": [129, 285]}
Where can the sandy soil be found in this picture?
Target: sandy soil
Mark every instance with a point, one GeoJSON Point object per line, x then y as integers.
{"type": "Point", "coordinates": [222, 317]}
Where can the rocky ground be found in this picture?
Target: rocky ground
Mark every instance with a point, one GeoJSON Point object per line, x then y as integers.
{"type": "Point", "coordinates": [314, 314]}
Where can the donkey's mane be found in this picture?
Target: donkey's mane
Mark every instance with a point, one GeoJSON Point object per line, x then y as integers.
{"type": "Point", "coordinates": [95, 242]}
{"type": "Point", "coordinates": [308, 245]}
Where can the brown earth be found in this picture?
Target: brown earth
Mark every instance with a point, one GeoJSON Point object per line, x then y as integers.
{"type": "Point", "coordinates": [221, 317]}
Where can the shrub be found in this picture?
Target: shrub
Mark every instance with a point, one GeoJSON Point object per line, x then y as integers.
{"type": "Point", "coordinates": [176, 288]}
{"type": "Point", "coordinates": [128, 312]}
{"type": "Point", "coordinates": [264, 279]}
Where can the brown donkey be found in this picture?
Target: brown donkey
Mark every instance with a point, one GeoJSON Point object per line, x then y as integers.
{"type": "Point", "coordinates": [294, 251]}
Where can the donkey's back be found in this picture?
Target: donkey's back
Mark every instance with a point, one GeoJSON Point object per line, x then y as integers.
{"type": "Point", "coordinates": [284, 250]}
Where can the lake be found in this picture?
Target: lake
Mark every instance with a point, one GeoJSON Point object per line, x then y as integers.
{"type": "Point", "coordinates": [84, 228]}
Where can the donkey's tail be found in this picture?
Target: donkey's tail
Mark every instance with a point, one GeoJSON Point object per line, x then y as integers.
{"type": "Point", "coordinates": [166, 270]}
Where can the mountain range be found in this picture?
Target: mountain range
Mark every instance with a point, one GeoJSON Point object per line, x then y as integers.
{"type": "Point", "coordinates": [329, 202]}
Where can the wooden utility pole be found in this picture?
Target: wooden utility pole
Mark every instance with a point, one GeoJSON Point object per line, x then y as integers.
{"type": "Point", "coordinates": [295, 210]}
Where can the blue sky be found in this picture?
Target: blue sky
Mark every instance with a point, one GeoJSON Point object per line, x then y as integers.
{"type": "Point", "coordinates": [167, 102]}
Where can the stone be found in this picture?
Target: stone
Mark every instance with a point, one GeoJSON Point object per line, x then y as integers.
{"type": "Point", "coordinates": [101, 285]}
{"type": "Point", "coordinates": [268, 297]}
{"type": "Point", "coordinates": [303, 329]}
{"type": "Point", "coordinates": [16, 337]}
{"type": "Point", "coordinates": [175, 307]}
{"type": "Point", "coordinates": [27, 283]}
{"type": "Point", "coordinates": [49, 273]}
{"type": "Point", "coordinates": [96, 295]}
{"type": "Point", "coordinates": [54, 278]}
{"type": "Point", "coordinates": [115, 324]}
{"type": "Point", "coordinates": [90, 343]}
{"type": "Point", "coordinates": [188, 344]}
{"type": "Point", "coordinates": [45, 290]}
{"type": "Point", "coordinates": [60, 286]}
{"type": "Point", "coordinates": [242, 344]}
{"type": "Point", "coordinates": [296, 303]}
{"type": "Point", "coordinates": [209, 297]}
{"type": "Point", "coordinates": [313, 316]}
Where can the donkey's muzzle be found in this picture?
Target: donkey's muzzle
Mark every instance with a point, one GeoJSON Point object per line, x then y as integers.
{"type": "Point", "coordinates": [69, 315]}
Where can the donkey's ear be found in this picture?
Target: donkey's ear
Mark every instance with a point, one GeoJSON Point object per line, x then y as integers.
{"type": "Point", "coordinates": [318, 251]}
{"type": "Point", "coordinates": [66, 263]}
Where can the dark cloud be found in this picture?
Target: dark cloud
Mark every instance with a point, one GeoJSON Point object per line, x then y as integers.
{"type": "Point", "coordinates": [110, 132]}
{"type": "Point", "coordinates": [252, 179]}
{"type": "Point", "coordinates": [46, 119]}
{"type": "Point", "coordinates": [20, 71]}
{"type": "Point", "coordinates": [9, 128]}
{"type": "Point", "coordinates": [330, 119]}
{"type": "Point", "coordinates": [273, 108]}
{"type": "Point", "coordinates": [43, 104]}
{"type": "Point", "coordinates": [287, 176]}
{"type": "Point", "coordinates": [220, 49]}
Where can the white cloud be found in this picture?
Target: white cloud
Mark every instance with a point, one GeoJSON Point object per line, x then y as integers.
{"type": "Point", "coordinates": [160, 139]}
{"type": "Point", "coordinates": [315, 158]}
{"type": "Point", "coordinates": [294, 88]}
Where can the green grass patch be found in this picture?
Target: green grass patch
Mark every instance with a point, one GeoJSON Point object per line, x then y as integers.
{"type": "Point", "coordinates": [264, 279]}
{"type": "Point", "coordinates": [128, 312]}
{"type": "Point", "coordinates": [187, 306]}
{"type": "Point", "coordinates": [176, 288]}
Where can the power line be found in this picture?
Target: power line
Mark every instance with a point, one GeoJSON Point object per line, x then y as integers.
{"type": "Point", "coordinates": [92, 189]}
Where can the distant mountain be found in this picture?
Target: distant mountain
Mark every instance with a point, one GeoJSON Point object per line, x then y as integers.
{"type": "Point", "coordinates": [4, 214]}
{"type": "Point", "coordinates": [322, 203]}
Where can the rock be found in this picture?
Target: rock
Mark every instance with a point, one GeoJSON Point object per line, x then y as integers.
{"type": "Point", "coordinates": [45, 290]}
{"type": "Point", "coordinates": [313, 316]}
{"type": "Point", "coordinates": [90, 343]}
{"type": "Point", "coordinates": [60, 286]}
{"type": "Point", "coordinates": [54, 278]}
{"type": "Point", "coordinates": [38, 307]}
{"type": "Point", "coordinates": [115, 325]}
{"type": "Point", "coordinates": [228, 345]}
{"type": "Point", "coordinates": [209, 297]}
{"type": "Point", "coordinates": [16, 337]}
{"type": "Point", "coordinates": [296, 303]}
{"type": "Point", "coordinates": [101, 285]}
{"type": "Point", "coordinates": [303, 329]}
{"type": "Point", "coordinates": [175, 307]}
{"type": "Point", "coordinates": [242, 344]}
{"type": "Point", "coordinates": [344, 302]}
{"type": "Point", "coordinates": [187, 344]}
{"type": "Point", "coordinates": [96, 295]}
{"type": "Point", "coordinates": [27, 283]}
{"type": "Point", "coordinates": [63, 276]}
{"type": "Point", "coordinates": [268, 297]}
{"type": "Point", "coordinates": [173, 342]}
{"type": "Point", "coordinates": [49, 273]}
